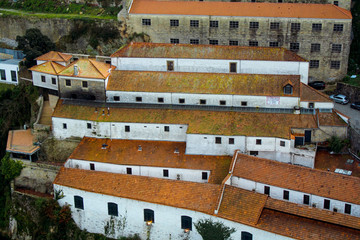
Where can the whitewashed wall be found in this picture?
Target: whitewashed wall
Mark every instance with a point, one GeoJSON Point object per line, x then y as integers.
{"type": "Point", "coordinates": [38, 62]}
{"type": "Point", "coordinates": [328, 105]}
{"type": "Point", "coordinates": [167, 223]}
{"type": "Point", "coordinates": [215, 66]}
{"type": "Point", "coordinates": [8, 68]}
{"type": "Point", "coordinates": [48, 80]}
{"type": "Point", "coordinates": [294, 196]}
{"type": "Point", "coordinates": [174, 173]}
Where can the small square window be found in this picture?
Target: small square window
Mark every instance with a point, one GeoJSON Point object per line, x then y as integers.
{"type": "Point", "coordinates": [336, 48]}
{"type": "Point", "coordinates": [338, 27]}
{"type": "Point", "coordinates": [280, 1]}
{"type": "Point", "coordinates": [233, 43]}
{"type": "Point", "coordinates": [347, 208]}
{"type": "Point", "coordinates": [146, 22]}
{"type": "Point", "coordinates": [254, 25]}
{"type": "Point", "coordinates": [253, 43]}
{"type": "Point", "coordinates": [254, 153]}
{"type": "Point", "coordinates": [194, 41]}
{"type": "Point", "coordinates": [181, 100]}
{"type": "Point", "coordinates": [214, 42]}
{"type": "Point", "coordinates": [243, 104]}
{"type": "Point", "coordinates": [336, 3]}
{"type": "Point", "coordinates": [88, 125]}
{"type": "Point", "coordinates": [166, 128]}
{"type": "Point", "coordinates": [3, 74]}
{"type": "Point", "coordinates": [335, 64]}
{"type": "Point", "coordinates": [294, 47]}
{"type": "Point", "coordinates": [315, 47]}
{"type": "Point", "coordinates": [79, 202]}
{"type": "Point", "coordinates": [314, 64]}
{"type": "Point", "coordinates": [53, 81]}
{"type": "Point", "coordinates": [174, 40]}
{"type": "Point", "coordinates": [274, 25]}
{"type": "Point", "coordinates": [295, 26]}
{"type": "Point", "coordinates": [258, 141]}
{"type": "Point", "coordinates": [311, 105]}
{"type": "Point", "coordinates": [218, 140]}
{"type": "Point", "coordinates": [202, 101]}
{"type": "Point", "coordinates": [174, 22]}
{"type": "Point", "coordinates": [149, 216]}
{"type": "Point", "coordinates": [316, 26]}
{"type": "Point", "coordinates": [129, 171]}
{"type": "Point", "coordinates": [84, 84]}
{"type": "Point", "coordinates": [282, 143]}
{"type": "Point", "coordinates": [13, 76]}
{"type": "Point", "coordinates": [204, 176]}
{"type": "Point", "coordinates": [160, 100]}
{"type": "Point", "coordinates": [234, 24]}
{"type": "Point", "coordinates": [286, 195]}
{"type": "Point", "coordinates": [165, 173]}
{"type": "Point", "coordinates": [68, 82]}
{"type": "Point", "coordinates": [170, 65]}
{"type": "Point", "coordinates": [194, 23]}
{"type": "Point", "coordinates": [116, 98]}
{"type": "Point", "coordinates": [43, 79]}
{"type": "Point", "coordinates": [273, 44]}
{"type": "Point", "coordinates": [306, 199]}
{"type": "Point", "coordinates": [222, 102]}
{"type": "Point", "coordinates": [92, 166]}
{"type": "Point", "coordinates": [214, 24]}
{"type": "Point", "coordinates": [138, 99]}
{"type": "Point", "coordinates": [326, 204]}
{"type": "Point", "coordinates": [233, 67]}
{"type": "Point", "coordinates": [231, 141]}
{"type": "Point", "coordinates": [112, 209]}
{"type": "Point", "coordinates": [186, 223]}
{"type": "Point", "coordinates": [127, 128]}
{"type": "Point", "coordinates": [288, 89]}
{"type": "Point", "coordinates": [64, 126]}
{"type": "Point", "coordinates": [267, 190]}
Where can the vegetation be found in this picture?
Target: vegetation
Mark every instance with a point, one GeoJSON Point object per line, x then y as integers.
{"type": "Point", "coordinates": [352, 81]}
{"type": "Point", "coordinates": [210, 230]}
{"type": "Point", "coordinates": [336, 144]}
{"type": "Point", "coordinates": [34, 44]}
{"type": "Point", "coordinates": [354, 59]}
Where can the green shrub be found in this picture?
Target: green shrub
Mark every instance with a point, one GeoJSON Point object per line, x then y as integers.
{"type": "Point", "coordinates": [210, 230]}
{"type": "Point", "coordinates": [335, 144]}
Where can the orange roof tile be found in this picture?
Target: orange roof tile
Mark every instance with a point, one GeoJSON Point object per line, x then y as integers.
{"type": "Point", "coordinates": [154, 154]}
{"type": "Point", "coordinates": [203, 83]}
{"type": "Point", "coordinates": [310, 94]}
{"type": "Point", "coordinates": [313, 181]}
{"type": "Point", "coordinates": [188, 195]}
{"type": "Point", "coordinates": [313, 213]}
{"type": "Point", "coordinates": [303, 228]}
{"type": "Point", "coordinates": [21, 141]}
{"type": "Point", "coordinates": [88, 68]}
{"type": "Point", "coordinates": [239, 9]}
{"type": "Point", "coordinates": [48, 67]}
{"type": "Point", "coordinates": [54, 56]}
{"type": "Point", "coordinates": [198, 121]}
{"type": "Point", "coordinates": [166, 50]}
{"type": "Point", "coordinates": [331, 119]}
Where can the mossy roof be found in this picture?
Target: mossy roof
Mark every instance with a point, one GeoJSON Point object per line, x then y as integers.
{"type": "Point", "coordinates": [88, 68]}
{"type": "Point", "coordinates": [48, 67]}
{"type": "Point", "coordinates": [54, 56]}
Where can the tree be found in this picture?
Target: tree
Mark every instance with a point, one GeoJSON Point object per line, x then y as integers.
{"type": "Point", "coordinates": [335, 144]}
{"type": "Point", "coordinates": [210, 230]}
{"type": "Point", "coordinates": [34, 44]}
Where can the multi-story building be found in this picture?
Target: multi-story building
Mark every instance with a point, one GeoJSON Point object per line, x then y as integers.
{"type": "Point", "coordinates": [320, 33]}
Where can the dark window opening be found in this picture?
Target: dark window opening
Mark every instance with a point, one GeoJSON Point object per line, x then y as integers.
{"type": "Point", "coordinates": [282, 143]}
{"type": "Point", "coordinates": [311, 105]}
{"type": "Point", "coordinates": [129, 171]}
{"type": "Point", "coordinates": [116, 98]}
{"type": "Point", "coordinates": [295, 26]}
{"type": "Point", "coordinates": [335, 64]}
{"type": "Point", "coordinates": [316, 26]}
{"type": "Point", "coordinates": [314, 64]}
{"type": "Point", "coordinates": [174, 23]}
{"type": "Point", "coordinates": [288, 89]}
{"type": "Point", "coordinates": [336, 3]}
{"type": "Point", "coordinates": [244, 104]}
{"type": "Point", "coordinates": [233, 43]}
{"type": "Point", "coordinates": [326, 204]}
{"type": "Point", "coordinates": [218, 140]}
{"type": "Point", "coordinates": [146, 22]}
{"type": "Point", "coordinates": [112, 209]}
{"type": "Point", "coordinates": [194, 23]}
{"type": "Point", "coordinates": [79, 202]}
{"type": "Point", "coordinates": [127, 128]}
{"type": "Point", "coordinates": [213, 42]}
{"type": "Point", "coordinates": [254, 153]}
{"type": "Point", "coordinates": [274, 26]}
{"type": "Point", "coordinates": [204, 175]}
{"type": "Point", "coordinates": [166, 128]}
{"type": "Point", "coordinates": [160, 100]}
{"type": "Point", "coordinates": [294, 47]}
{"type": "Point", "coordinates": [43, 79]}
{"type": "Point", "coordinates": [181, 100]}
{"type": "Point", "coordinates": [174, 40]}
{"type": "Point", "coordinates": [267, 190]}
{"type": "Point", "coordinates": [315, 47]}
{"type": "Point", "coordinates": [222, 102]}
{"type": "Point", "coordinates": [88, 125]}
{"type": "Point", "coordinates": [68, 82]}
{"type": "Point", "coordinates": [258, 141]}
{"type": "Point", "coordinates": [347, 208]}
{"type": "Point", "coordinates": [53, 81]}
{"type": "Point", "coordinates": [286, 195]}
{"type": "Point", "coordinates": [306, 199]}
{"type": "Point", "coordinates": [3, 74]}
{"type": "Point", "coordinates": [253, 43]}
{"type": "Point", "coordinates": [273, 44]}
{"type": "Point", "coordinates": [84, 84]}
{"type": "Point", "coordinates": [254, 25]}
{"type": "Point", "coordinates": [13, 76]}
{"type": "Point", "coordinates": [138, 99]}
{"type": "Point", "coordinates": [170, 65]}
{"type": "Point", "coordinates": [246, 236]}
{"type": "Point", "coordinates": [92, 166]}
{"type": "Point", "coordinates": [165, 173]}
{"type": "Point", "coordinates": [336, 48]}
{"type": "Point", "coordinates": [194, 41]}
{"type": "Point", "coordinates": [202, 101]}
{"type": "Point", "coordinates": [231, 141]}
{"type": "Point", "coordinates": [149, 215]}
{"type": "Point", "coordinates": [338, 27]}
{"type": "Point", "coordinates": [233, 67]}
{"type": "Point", "coordinates": [234, 24]}
{"type": "Point", "coordinates": [214, 24]}
{"type": "Point", "coordinates": [64, 126]}
{"type": "Point", "coordinates": [186, 223]}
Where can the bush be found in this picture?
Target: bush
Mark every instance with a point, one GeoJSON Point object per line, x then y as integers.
{"type": "Point", "coordinates": [210, 230]}
{"type": "Point", "coordinates": [335, 144]}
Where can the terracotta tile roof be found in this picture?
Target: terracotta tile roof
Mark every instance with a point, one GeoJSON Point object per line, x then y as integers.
{"type": "Point", "coordinates": [313, 213]}
{"type": "Point", "coordinates": [203, 83]}
{"type": "Point", "coordinates": [242, 206]}
{"type": "Point", "coordinates": [166, 50]}
{"type": "Point", "coordinates": [54, 56]}
{"type": "Point", "coordinates": [21, 141]}
{"type": "Point", "coordinates": [331, 119]}
{"type": "Point", "coordinates": [240, 9]}
{"type": "Point", "coordinates": [309, 94]}
{"type": "Point", "coordinates": [321, 183]}
{"type": "Point", "coordinates": [88, 68]}
{"type": "Point", "coordinates": [188, 195]}
{"type": "Point", "coordinates": [154, 154]}
{"type": "Point", "coordinates": [198, 121]}
{"type": "Point", "coordinates": [303, 228]}
{"type": "Point", "coordinates": [48, 67]}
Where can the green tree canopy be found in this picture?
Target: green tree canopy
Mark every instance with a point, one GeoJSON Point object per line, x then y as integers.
{"type": "Point", "coordinates": [210, 230]}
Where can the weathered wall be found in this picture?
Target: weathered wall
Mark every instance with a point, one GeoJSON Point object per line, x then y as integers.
{"type": "Point", "coordinates": [352, 92]}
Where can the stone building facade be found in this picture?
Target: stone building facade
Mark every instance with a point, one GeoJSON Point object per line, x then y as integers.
{"type": "Point", "coordinates": [319, 33]}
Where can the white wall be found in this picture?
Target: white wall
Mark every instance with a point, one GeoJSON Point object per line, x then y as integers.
{"type": "Point", "coordinates": [167, 223]}
{"type": "Point", "coordinates": [294, 196]}
{"type": "Point", "coordinates": [329, 105]}
{"type": "Point", "coordinates": [8, 68]}
{"type": "Point", "coordinates": [215, 66]}
{"type": "Point", "coordinates": [38, 62]}
{"type": "Point", "coordinates": [48, 80]}
{"type": "Point", "coordinates": [192, 175]}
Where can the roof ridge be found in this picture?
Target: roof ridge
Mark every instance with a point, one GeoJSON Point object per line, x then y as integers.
{"type": "Point", "coordinates": [92, 63]}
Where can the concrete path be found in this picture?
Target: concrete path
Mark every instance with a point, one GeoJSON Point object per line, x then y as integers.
{"type": "Point", "coordinates": [45, 118]}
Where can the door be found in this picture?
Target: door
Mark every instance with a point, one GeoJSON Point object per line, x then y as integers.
{"type": "Point", "coordinates": [307, 136]}
{"type": "Point", "coordinates": [299, 141]}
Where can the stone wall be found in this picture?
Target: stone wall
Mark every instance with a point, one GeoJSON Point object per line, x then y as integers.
{"type": "Point", "coordinates": [352, 92]}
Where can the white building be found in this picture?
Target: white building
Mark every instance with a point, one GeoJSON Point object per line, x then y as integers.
{"type": "Point", "coordinates": [45, 75]}
{"type": "Point", "coordinates": [210, 59]}
{"type": "Point", "coordinates": [9, 69]}
{"type": "Point", "coordinates": [53, 56]}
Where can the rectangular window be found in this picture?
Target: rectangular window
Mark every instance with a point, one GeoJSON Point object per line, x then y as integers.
{"type": "Point", "coordinates": [314, 64]}
{"type": "Point", "coordinates": [286, 195]}
{"type": "Point", "coordinates": [202, 101]}
{"type": "Point", "coordinates": [181, 100]}
{"type": "Point", "coordinates": [253, 43]}
{"type": "Point", "coordinates": [92, 166]}
{"type": "Point", "coordinates": [68, 82]}
{"type": "Point", "coordinates": [231, 141]}
{"type": "Point", "coordinates": [170, 65]}
{"type": "Point", "coordinates": [233, 24]}
{"type": "Point", "coordinates": [116, 98]}
{"type": "Point", "coordinates": [247, 235]}
{"type": "Point", "coordinates": [186, 223]}
{"type": "Point", "coordinates": [267, 190]}
{"type": "Point", "coordinates": [258, 141]}
{"type": "Point", "coordinates": [13, 76]}
{"type": "Point", "coordinates": [273, 44]}
{"type": "Point", "coordinates": [338, 27]}
{"type": "Point", "coordinates": [295, 26]}
{"type": "Point", "coordinates": [243, 104]}
{"type": "Point", "coordinates": [233, 67]}
{"type": "Point", "coordinates": [336, 3]}
{"type": "Point", "coordinates": [64, 126]}
{"type": "Point", "coordinates": [146, 22]}
{"type": "Point", "coordinates": [88, 125]}
{"type": "Point", "coordinates": [3, 74]}
{"type": "Point", "coordinates": [336, 48]}
{"type": "Point", "coordinates": [213, 42]}
{"type": "Point", "coordinates": [43, 79]}
{"type": "Point", "coordinates": [194, 23]}
{"type": "Point", "coordinates": [149, 215]}
{"type": "Point", "coordinates": [254, 153]}
{"type": "Point", "coordinates": [294, 47]}
{"type": "Point", "coordinates": [174, 40]}
{"type": "Point", "coordinates": [166, 128]}
{"type": "Point", "coordinates": [84, 84]}
{"type": "Point", "coordinates": [233, 43]}
{"type": "Point", "coordinates": [335, 64]}
{"type": "Point", "coordinates": [194, 41]}
{"type": "Point", "coordinates": [316, 26]}
{"type": "Point", "coordinates": [78, 202]}
{"type": "Point", "coordinates": [127, 128]}
{"type": "Point", "coordinates": [160, 100]}
{"type": "Point", "coordinates": [204, 176]}
{"type": "Point", "coordinates": [218, 140]}
{"type": "Point", "coordinates": [306, 199]}
{"type": "Point", "coordinates": [138, 99]}
{"type": "Point", "coordinates": [165, 173]}
{"type": "Point", "coordinates": [129, 170]}
{"type": "Point", "coordinates": [222, 102]}
{"type": "Point", "coordinates": [254, 25]}
{"type": "Point", "coordinates": [347, 208]}
{"type": "Point", "coordinates": [53, 81]}
{"type": "Point", "coordinates": [326, 204]}
{"type": "Point", "coordinates": [311, 105]}
{"type": "Point", "coordinates": [282, 143]}
{"type": "Point", "coordinates": [315, 47]}
{"type": "Point", "coordinates": [112, 209]}
{"type": "Point", "coordinates": [274, 25]}
{"type": "Point", "coordinates": [174, 22]}
{"type": "Point", "coordinates": [214, 24]}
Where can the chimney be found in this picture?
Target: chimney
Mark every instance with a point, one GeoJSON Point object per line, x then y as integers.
{"type": "Point", "coordinates": [108, 111]}
{"type": "Point", "coordinates": [76, 70]}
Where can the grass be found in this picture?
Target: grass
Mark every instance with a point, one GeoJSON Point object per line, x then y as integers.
{"type": "Point", "coordinates": [4, 87]}
{"type": "Point", "coordinates": [352, 81]}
